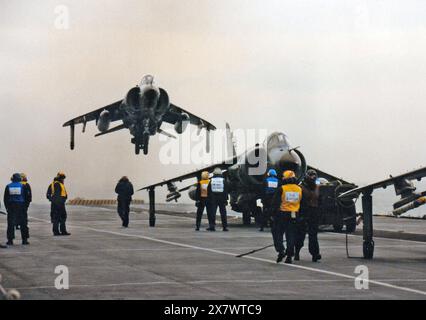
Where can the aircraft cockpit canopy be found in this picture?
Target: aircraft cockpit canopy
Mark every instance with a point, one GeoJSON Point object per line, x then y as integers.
{"type": "Point", "coordinates": [278, 139]}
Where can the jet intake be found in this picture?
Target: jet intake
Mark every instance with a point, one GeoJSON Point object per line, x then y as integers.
{"type": "Point", "coordinates": [182, 124]}
{"type": "Point", "coordinates": [104, 121]}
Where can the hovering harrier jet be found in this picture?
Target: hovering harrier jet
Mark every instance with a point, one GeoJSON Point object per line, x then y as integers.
{"type": "Point", "coordinates": [142, 111]}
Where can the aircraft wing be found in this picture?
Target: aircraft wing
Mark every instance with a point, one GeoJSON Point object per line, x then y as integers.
{"type": "Point", "coordinates": [113, 109]}
{"type": "Point", "coordinates": [194, 174]}
{"type": "Point", "coordinates": [330, 177]}
{"type": "Point", "coordinates": [417, 174]}
{"type": "Point", "coordinates": [172, 116]}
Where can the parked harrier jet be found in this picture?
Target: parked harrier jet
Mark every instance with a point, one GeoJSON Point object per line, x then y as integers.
{"type": "Point", "coordinates": [245, 186]}
{"type": "Point", "coordinates": [142, 111]}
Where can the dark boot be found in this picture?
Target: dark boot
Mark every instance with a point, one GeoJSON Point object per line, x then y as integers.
{"type": "Point", "coordinates": [316, 258]}
{"type": "Point", "coordinates": [297, 255]}
{"type": "Point", "coordinates": [10, 243]}
{"type": "Point", "coordinates": [25, 242]}
{"type": "Point", "coordinates": [288, 260]}
{"type": "Point", "coordinates": [280, 257]}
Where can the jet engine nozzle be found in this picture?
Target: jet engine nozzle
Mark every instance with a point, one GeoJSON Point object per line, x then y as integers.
{"type": "Point", "coordinates": [104, 121]}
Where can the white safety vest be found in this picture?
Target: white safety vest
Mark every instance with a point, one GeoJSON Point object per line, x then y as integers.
{"type": "Point", "coordinates": [217, 184]}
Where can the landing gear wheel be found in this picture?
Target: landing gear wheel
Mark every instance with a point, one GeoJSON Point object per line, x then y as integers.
{"type": "Point", "coordinates": [145, 149]}
{"type": "Point", "coordinates": [368, 249]}
{"type": "Point", "coordinates": [246, 218]}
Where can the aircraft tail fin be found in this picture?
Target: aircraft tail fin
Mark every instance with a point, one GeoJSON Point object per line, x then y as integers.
{"type": "Point", "coordinates": [230, 142]}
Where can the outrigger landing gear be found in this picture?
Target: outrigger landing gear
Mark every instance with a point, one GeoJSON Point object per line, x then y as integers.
{"type": "Point", "coordinates": [367, 208]}
{"type": "Point", "coordinates": [152, 207]}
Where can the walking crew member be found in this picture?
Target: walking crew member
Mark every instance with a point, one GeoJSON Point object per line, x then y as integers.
{"type": "Point", "coordinates": [125, 191]}
{"type": "Point", "coordinates": [57, 195]}
{"type": "Point", "coordinates": [309, 216]}
{"type": "Point", "coordinates": [201, 197]}
{"type": "Point", "coordinates": [218, 197]}
{"type": "Point", "coordinates": [15, 202]}
{"type": "Point", "coordinates": [270, 185]}
{"type": "Point", "coordinates": [28, 195]}
{"type": "Point", "coordinates": [287, 203]}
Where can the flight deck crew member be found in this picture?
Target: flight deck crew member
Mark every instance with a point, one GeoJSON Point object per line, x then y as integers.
{"type": "Point", "coordinates": [309, 216]}
{"type": "Point", "coordinates": [28, 195]}
{"type": "Point", "coordinates": [270, 185]}
{"type": "Point", "coordinates": [217, 197]}
{"type": "Point", "coordinates": [57, 195]}
{"type": "Point", "coordinates": [125, 191]}
{"type": "Point", "coordinates": [14, 201]}
{"type": "Point", "coordinates": [286, 204]}
{"type": "Point", "coordinates": [201, 197]}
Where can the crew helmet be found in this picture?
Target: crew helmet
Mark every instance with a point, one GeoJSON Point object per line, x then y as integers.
{"type": "Point", "coordinates": [61, 175]}
{"type": "Point", "coordinates": [217, 171]}
{"type": "Point", "coordinates": [205, 175]}
{"type": "Point", "coordinates": [16, 177]}
{"type": "Point", "coordinates": [272, 173]}
{"type": "Point", "coordinates": [289, 174]}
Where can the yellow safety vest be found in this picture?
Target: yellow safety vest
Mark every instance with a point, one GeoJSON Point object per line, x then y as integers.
{"type": "Point", "coordinates": [63, 190]}
{"type": "Point", "coordinates": [291, 197]}
{"type": "Point", "coordinates": [204, 184]}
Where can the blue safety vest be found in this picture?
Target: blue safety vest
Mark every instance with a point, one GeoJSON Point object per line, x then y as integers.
{"type": "Point", "coordinates": [271, 185]}
{"type": "Point", "coordinates": [16, 192]}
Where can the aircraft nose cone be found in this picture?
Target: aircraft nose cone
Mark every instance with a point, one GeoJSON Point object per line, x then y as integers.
{"type": "Point", "coordinates": [289, 161]}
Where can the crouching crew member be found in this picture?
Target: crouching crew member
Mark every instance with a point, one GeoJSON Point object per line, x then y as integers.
{"type": "Point", "coordinates": [15, 202]}
{"type": "Point", "coordinates": [270, 185]}
{"type": "Point", "coordinates": [309, 216]}
{"type": "Point", "coordinates": [286, 204]}
{"type": "Point", "coordinates": [125, 191]}
{"type": "Point", "coordinates": [201, 197]}
{"type": "Point", "coordinates": [57, 195]}
{"type": "Point", "coordinates": [218, 197]}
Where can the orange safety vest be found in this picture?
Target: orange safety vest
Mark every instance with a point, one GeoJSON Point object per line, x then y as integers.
{"type": "Point", "coordinates": [291, 198]}
{"type": "Point", "coordinates": [63, 190]}
{"type": "Point", "coordinates": [204, 184]}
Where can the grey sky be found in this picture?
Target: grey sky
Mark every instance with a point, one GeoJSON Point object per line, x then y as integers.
{"type": "Point", "coordinates": [344, 79]}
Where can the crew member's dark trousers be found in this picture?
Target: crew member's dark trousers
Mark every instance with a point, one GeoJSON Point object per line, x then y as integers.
{"type": "Point", "coordinates": [16, 215]}
{"type": "Point", "coordinates": [309, 224]}
{"type": "Point", "coordinates": [201, 205]}
{"type": "Point", "coordinates": [123, 209]}
{"type": "Point", "coordinates": [59, 218]}
{"type": "Point", "coordinates": [223, 215]}
{"type": "Point", "coordinates": [282, 223]}
{"type": "Point", "coordinates": [266, 212]}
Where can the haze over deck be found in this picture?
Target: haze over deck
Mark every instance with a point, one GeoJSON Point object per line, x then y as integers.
{"type": "Point", "coordinates": [344, 79]}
